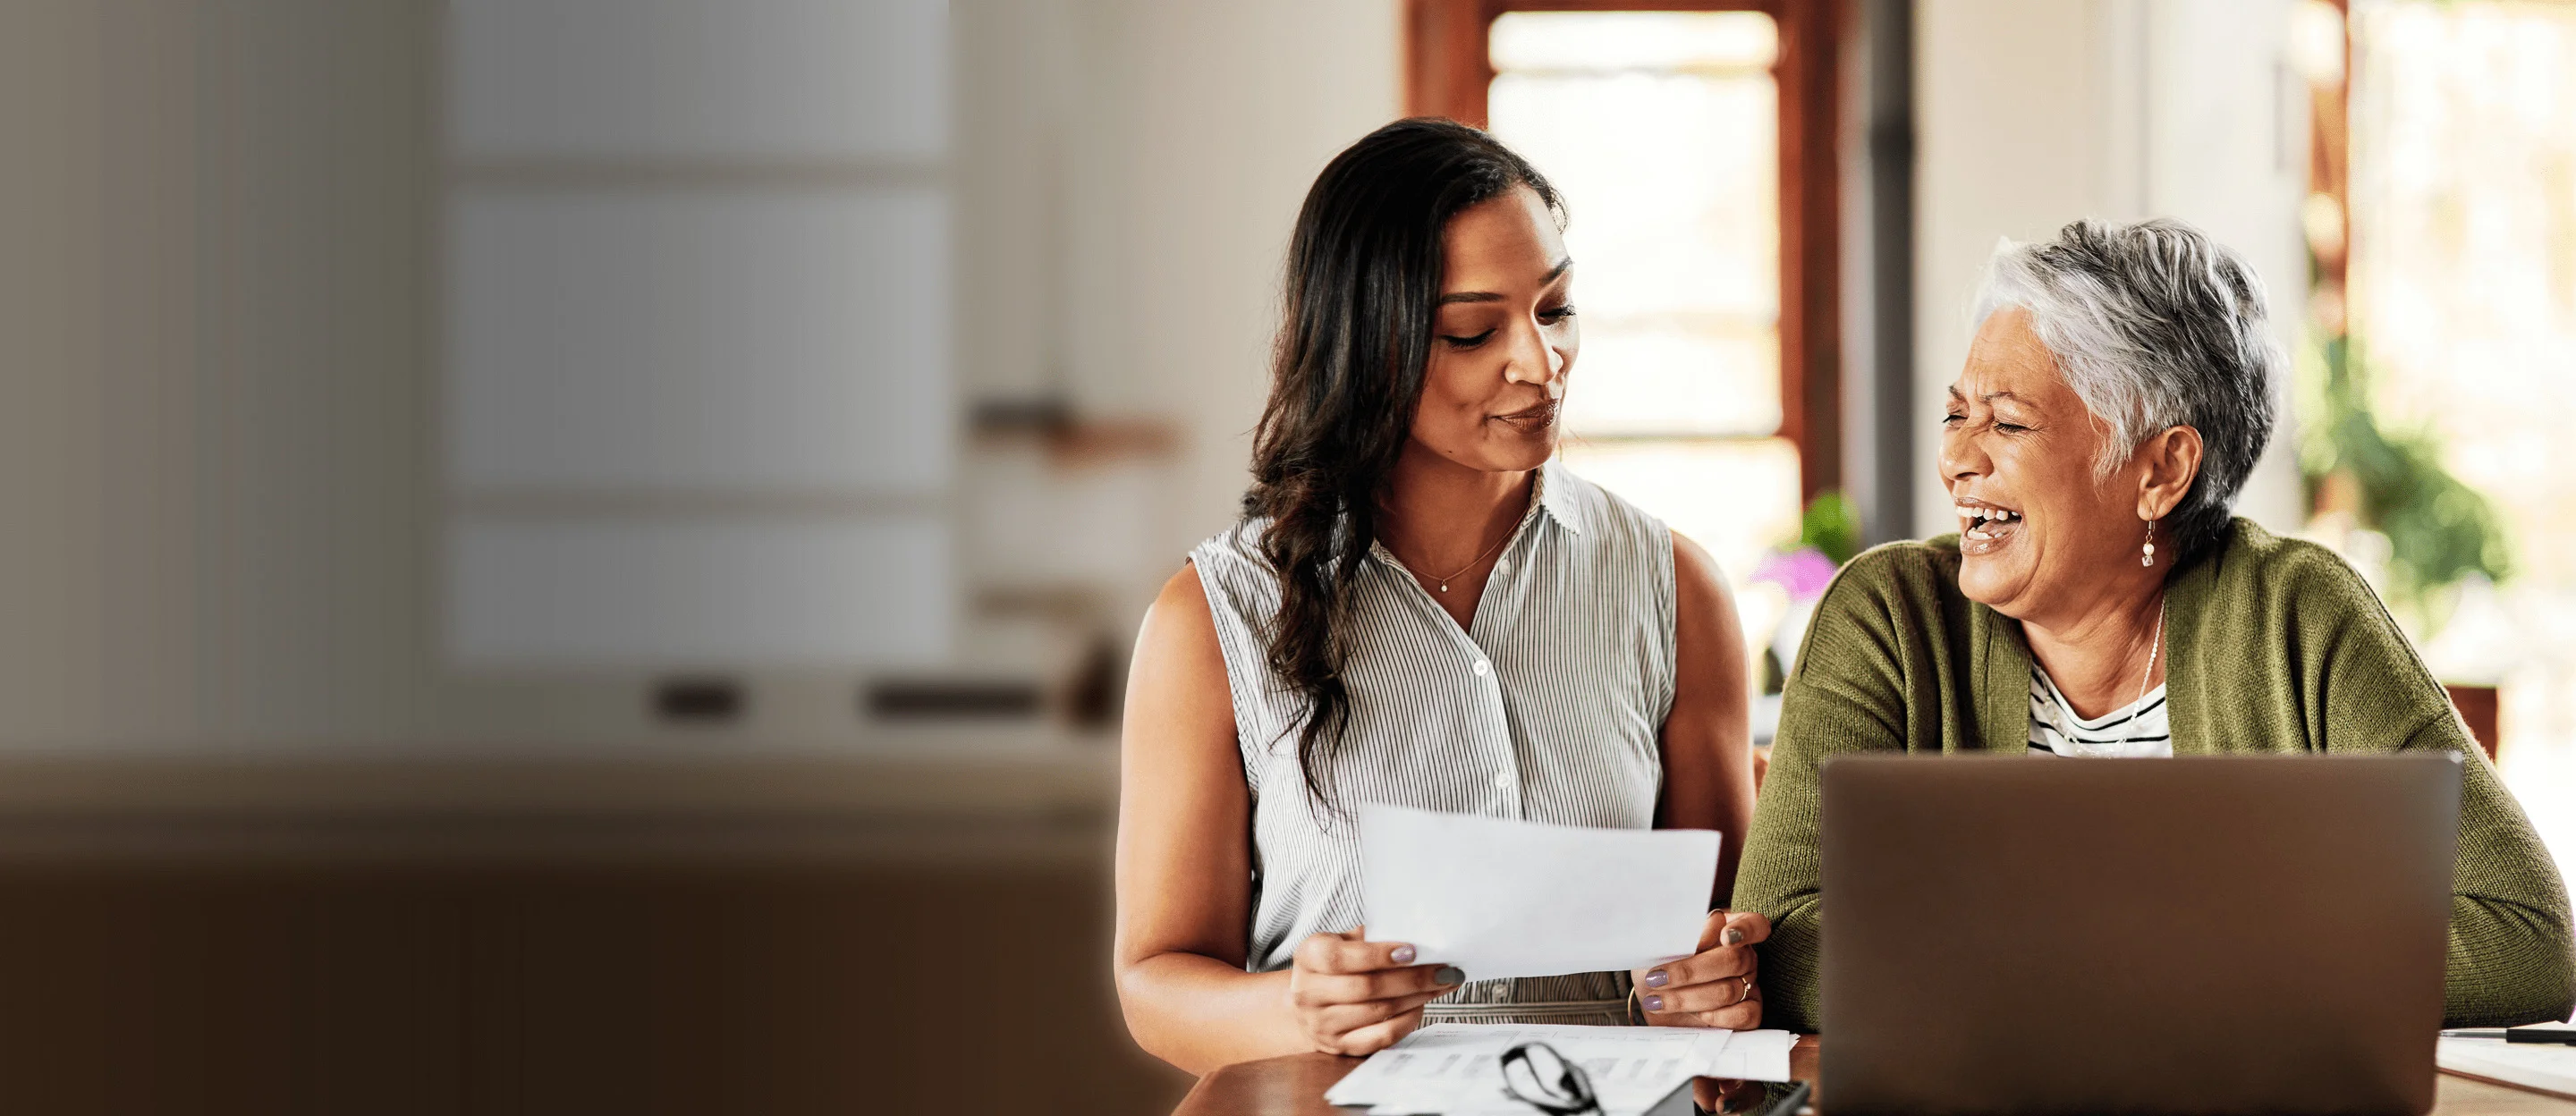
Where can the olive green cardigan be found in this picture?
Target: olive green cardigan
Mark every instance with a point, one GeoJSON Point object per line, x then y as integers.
{"type": "Point", "coordinates": [2274, 645]}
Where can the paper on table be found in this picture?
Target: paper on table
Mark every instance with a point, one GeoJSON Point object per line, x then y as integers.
{"type": "Point", "coordinates": [1456, 1068]}
{"type": "Point", "coordinates": [1501, 898]}
{"type": "Point", "coordinates": [2536, 1066]}
{"type": "Point", "coordinates": [1753, 1056]}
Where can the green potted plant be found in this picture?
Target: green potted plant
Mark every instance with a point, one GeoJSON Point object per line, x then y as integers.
{"type": "Point", "coordinates": [2359, 474]}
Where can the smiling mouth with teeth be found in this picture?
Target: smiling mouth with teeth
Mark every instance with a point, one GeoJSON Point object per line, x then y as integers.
{"type": "Point", "coordinates": [1988, 524]}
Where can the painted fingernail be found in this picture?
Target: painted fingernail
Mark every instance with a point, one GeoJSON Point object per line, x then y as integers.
{"type": "Point", "coordinates": [1658, 979]}
{"type": "Point", "coordinates": [1449, 974]}
{"type": "Point", "coordinates": [1403, 955]}
{"type": "Point", "coordinates": [1733, 936]}
{"type": "Point", "coordinates": [1654, 1003]}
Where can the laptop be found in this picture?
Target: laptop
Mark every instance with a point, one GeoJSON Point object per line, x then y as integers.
{"type": "Point", "coordinates": [2196, 934]}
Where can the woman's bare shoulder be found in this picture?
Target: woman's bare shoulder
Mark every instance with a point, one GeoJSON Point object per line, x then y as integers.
{"type": "Point", "coordinates": [1698, 583]}
{"type": "Point", "coordinates": [1180, 625]}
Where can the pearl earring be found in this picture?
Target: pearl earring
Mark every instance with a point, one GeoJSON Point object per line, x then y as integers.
{"type": "Point", "coordinates": [2147, 553]}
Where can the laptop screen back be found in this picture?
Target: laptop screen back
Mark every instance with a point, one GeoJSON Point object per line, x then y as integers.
{"type": "Point", "coordinates": [2237, 933]}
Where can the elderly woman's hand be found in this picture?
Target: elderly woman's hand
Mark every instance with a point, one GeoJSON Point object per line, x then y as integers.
{"type": "Point", "coordinates": [1357, 997]}
{"type": "Point", "coordinates": [1715, 987]}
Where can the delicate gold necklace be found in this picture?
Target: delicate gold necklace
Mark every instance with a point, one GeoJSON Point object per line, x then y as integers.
{"type": "Point", "coordinates": [2157, 644]}
{"type": "Point", "coordinates": [1479, 560]}
{"type": "Point", "coordinates": [2150, 675]}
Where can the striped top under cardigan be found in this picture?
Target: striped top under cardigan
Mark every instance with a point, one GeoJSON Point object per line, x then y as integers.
{"type": "Point", "coordinates": [1550, 709]}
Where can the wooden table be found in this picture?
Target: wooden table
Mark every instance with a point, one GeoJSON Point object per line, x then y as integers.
{"type": "Point", "coordinates": [1294, 1086]}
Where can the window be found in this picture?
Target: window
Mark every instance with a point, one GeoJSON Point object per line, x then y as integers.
{"type": "Point", "coordinates": [1694, 150]}
{"type": "Point", "coordinates": [697, 334]}
{"type": "Point", "coordinates": [2461, 294]}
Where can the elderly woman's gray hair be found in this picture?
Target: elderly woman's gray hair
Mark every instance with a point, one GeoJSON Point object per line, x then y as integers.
{"type": "Point", "coordinates": [2155, 326]}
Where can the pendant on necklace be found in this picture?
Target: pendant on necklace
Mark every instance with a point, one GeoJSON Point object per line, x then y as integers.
{"type": "Point", "coordinates": [1444, 587]}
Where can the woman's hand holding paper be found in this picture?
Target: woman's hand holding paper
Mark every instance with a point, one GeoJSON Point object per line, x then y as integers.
{"type": "Point", "coordinates": [1715, 987]}
{"type": "Point", "coordinates": [1357, 997]}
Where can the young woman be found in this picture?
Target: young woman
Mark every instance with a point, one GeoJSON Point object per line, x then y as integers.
{"type": "Point", "coordinates": [1418, 609]}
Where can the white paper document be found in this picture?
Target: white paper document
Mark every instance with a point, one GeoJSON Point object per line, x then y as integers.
{"type": "Point", "coordinates": [1501, 898]}
{"type": "Point", "coordinates": [1455, 1069]}
{"type": "Point", "coordinates": [1753, 1056]}
{"type": "Point", "coordinates": [2545, 1067]}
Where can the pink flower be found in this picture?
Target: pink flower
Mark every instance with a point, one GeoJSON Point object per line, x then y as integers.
{"type": "Point", "coordinates": [1804, 572]}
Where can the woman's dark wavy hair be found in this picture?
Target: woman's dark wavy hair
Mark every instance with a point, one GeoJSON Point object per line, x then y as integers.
{"type": "Point", "coordinates": [1363, 282]}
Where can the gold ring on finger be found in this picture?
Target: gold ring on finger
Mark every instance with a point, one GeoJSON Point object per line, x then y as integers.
{"type": "Point", "coordinates": [1747, 993]}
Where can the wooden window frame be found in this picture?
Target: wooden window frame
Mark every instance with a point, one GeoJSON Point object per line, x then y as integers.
{"type": "Point", "coordinates": [1448, 72]}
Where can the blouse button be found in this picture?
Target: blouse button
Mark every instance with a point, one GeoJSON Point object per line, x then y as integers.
{"type": "Point", "coordinates": [1502, 780]}
{"type": "Point", "coordinates": [1482, 667]}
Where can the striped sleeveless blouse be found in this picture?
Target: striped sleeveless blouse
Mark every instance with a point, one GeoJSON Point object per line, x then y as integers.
{"type": "Point", "coordinates": [1548, 709]}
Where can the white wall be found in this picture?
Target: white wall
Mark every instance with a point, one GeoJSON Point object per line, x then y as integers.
{"type": "Point", "coordinates": [1203, 126]}
{"type": "Point", "coordinates": [1140, 163]}
{"type": "Point", "coordinates": [2032, 113]}
{"type": "Point", "coordinates": [219, 461]}
{"type": "Point", "coordinates": [211, 333]}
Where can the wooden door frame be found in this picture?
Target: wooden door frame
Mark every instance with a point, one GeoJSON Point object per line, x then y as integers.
{"type": "Point", "coordinates": [1447, 73]}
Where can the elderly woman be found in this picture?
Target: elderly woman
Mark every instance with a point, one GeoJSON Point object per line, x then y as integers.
{"type": "Point", "coordinates": [2102, 601]}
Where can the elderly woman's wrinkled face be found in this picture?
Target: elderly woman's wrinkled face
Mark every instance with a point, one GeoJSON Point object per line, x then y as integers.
{"type": "Point", "coordinates": [2040, 535]}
